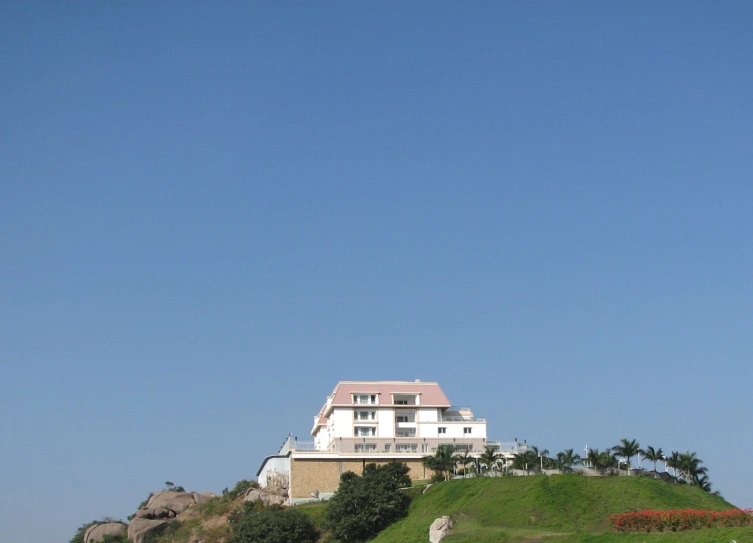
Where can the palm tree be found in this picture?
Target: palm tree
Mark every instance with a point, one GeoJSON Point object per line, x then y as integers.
{"type": "Point", "coordinates": [602, 460]}
{"type": "Point", "coordinates": [464, 459]}
{"type": "Point", "coordinates": [567, 459]}
{"type": "Point", "coordinates": [526, 460]}
{"type": "Point", "coordinates": [442, 461]}
{"type": "Point", "coordinates": [652, 455]}
{"type": "Point", "coordinates": [490, 457]}
{"type": "Point", "coordinates": [691, 469]}
{"type": "Point", "coordinates": [628, 449]}
{"type": "Point", "coordinates": [673, 461]}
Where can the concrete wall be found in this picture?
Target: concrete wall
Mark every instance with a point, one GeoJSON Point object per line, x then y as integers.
{"type": "Point", "coordinates": [279, 465]}
{"type": "Point", "coordinates": [386, 419]}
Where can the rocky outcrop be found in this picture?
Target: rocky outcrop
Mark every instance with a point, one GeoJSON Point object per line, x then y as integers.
{"type": "Point", "coordinates": [267, 499]}
{"type": "Point", "coordinates": [97, 532]}
{"type": "Point", "coordinates": [168, 504]}
{"type": "Point", "coordinates": [140, 528]}
{"type": "Point", "coordinates": [277, 483]}
{"type": "Point", "coordinates": [439, 529]}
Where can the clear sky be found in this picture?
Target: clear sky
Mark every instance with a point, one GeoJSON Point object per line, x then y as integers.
{"type": "Point", "coordinates": [212, 212]}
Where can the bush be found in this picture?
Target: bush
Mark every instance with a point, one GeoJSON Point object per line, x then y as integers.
{"type": "Point", "coordinates": [674, 521]}
{"type": "Point", "coordinates": [274, 526]}
{"type": "Point", "coordinates": [364, 506]}
{"type": "Point", "coordinates": [78, 537]}
{"type": "Point", "coordinates": [240, 487]}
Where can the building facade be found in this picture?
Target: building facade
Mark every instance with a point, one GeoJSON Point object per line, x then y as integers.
{"type": "Point", "coordinates": [376, 421]}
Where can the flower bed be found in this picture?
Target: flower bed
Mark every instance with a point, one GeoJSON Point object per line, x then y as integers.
{"type": "Point", "coordinates": [675, 521]}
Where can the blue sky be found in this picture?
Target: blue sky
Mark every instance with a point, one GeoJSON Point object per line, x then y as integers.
{"type": "Point", "coordinates": [210, 214]}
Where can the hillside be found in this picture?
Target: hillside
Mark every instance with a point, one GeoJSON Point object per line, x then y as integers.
{"type": "Point", "coordinates": [546, 509]}
{"type": "Point", "coordinates": [526, 508]}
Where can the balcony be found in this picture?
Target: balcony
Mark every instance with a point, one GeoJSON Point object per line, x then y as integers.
{"type": "Point", "coordinates": [461, 418]}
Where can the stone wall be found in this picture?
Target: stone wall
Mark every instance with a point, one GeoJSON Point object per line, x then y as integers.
{"type": "Point", "coordinates": [310, 475]}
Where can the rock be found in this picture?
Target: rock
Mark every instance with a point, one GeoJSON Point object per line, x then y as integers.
{"type": "Point", "coordinates": [266, 498]}
{"type": "Point", "coordinates": [202, 497]}
{"type": "Point", "coordinates": [439, 529]}
{"type": "Point", "coordinates": [252, 495]}
{"type": "Point", "coordinates": [140, 528]}
{"type": "Point", "coordinates": [97, 532]}
{"type": "Point", "coordinates": [277, 483]}
{"type": "Point", "coordinates": [177, 502]}
{"type": "Point", "coordinates": [169, 504]}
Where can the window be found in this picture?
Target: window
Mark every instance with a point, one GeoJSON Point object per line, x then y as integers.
{"type": "Point", "coordinates": [365, 415]}
{"type": "Point", "coordinates": [401, 402]}
{"type": "Point", "coordinates": [467, 430]}
{"type": "Point", "coordinates": [406, 447]}
{"type": "Point", "coordinates": [365, 431]}
{"type": "Point", "coordinates": [441, 430]}
{"type": "Point", "coordinates": [365, 447]}
{"type": "Point", "coordinates": [402, 418]}
{"type": "Point", "coordinates": [364, 399]}
{"type": "Point", "coordinates": [387, 447]}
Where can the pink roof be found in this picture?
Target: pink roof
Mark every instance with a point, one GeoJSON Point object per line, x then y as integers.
{"type": "Point", "coordinates": [431, 394]}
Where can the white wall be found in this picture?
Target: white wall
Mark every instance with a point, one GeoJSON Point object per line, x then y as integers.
{"type": "Point", "coordinates": [280, 465]}
{"type": "Point", "coordinates": [386, 419]}
{"type": "Point", "coordinates": [427, 414]}
{"type": "Point", "coordinates": [342, 419]}
{"type": "Point", "coordinates": [454, 430]}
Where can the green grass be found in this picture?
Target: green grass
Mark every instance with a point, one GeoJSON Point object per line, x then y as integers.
{"type": "Point", "coordinates": [559, 508]}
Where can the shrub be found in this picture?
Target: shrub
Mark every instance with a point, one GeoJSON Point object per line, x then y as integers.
{"type": "Point", "coordinates": [674, 521]}
{"type": "Point", "coordinates": [78, 537]}
{"type": "Point", "coordinates": [274, 526]}
{"type": "Point", "coordinates": [240, 487]}
{"type": "Point", "coordinates": [364, 506]}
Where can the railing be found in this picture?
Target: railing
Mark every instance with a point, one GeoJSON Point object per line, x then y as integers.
{"type": "Point", "coordinates": [303, 446]}
{"type": "Point", "coordinates": [462, 419]}
{"type": "Point", "coordinates": [510, 446]}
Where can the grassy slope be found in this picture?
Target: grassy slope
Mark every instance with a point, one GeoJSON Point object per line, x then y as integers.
{"type": "Point", "coordinates": [492, 510]}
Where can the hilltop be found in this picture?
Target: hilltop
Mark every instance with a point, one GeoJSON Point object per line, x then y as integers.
{"type": "Point", "coordinates": [549, 509]}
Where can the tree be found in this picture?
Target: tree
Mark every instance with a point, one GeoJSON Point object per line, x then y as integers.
{"type": "Point", "coordinates": [365, 505]}
{"type": "Point", "coordinates": [628, 449]}
{"type": "Point", "coordinates": [673, 461]}
{"type": "Point", "coordinates": [442, 461]}
{"type": "Point", "coordinates": [393, 475]}
{"type": "Point", "coordinates": [602, 460]}
{"type": "Point", "coordinates": [652, 455]}
{"type": "Point", "coordinates": [692, 471]}
{"type": "Point", "coordinates": [567, 459]}
{"type": "Point", "coordinates": [464, 460]}
{"type": "Point", "coordinates": [170, 486]}
{"type": "Point", "coordinates": [490, 457]}
{"type": "Point", "coordinates": [274, 526]}
{"type": "Point", "coordinates": [527, 460]}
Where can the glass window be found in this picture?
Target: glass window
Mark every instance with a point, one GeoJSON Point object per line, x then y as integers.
{"type": "Point", "coordinates": [467, 430]}
{"type": "Point", "coordinates": [441, 430]}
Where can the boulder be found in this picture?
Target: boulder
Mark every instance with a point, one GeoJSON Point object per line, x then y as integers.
{"type": "Point", "coordinates": [169, 504]}
{"type": "Point", "coordinates": [177, 502]}
{"type": "Point", "coordinates": [97, 532]}
{"type": "Point", "coordinates": [140, 528]}
{"type": "Point", "coordinates": [202, 497]}
{"type": "Point", "coordinates": [266, 498]}
{"type": "Point", "coordinates": [439, 529]}
{"type": "Point", "coordinates": [277, 483]}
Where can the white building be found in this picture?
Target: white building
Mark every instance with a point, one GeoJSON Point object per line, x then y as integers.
{"type": "Point", "coordinates": [394, 417]}
{"type": "Point", "coordinates": [376, 421]}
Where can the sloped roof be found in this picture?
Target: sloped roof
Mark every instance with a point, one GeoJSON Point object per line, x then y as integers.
{"type": "Point", "coordinates": [431, 393]}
